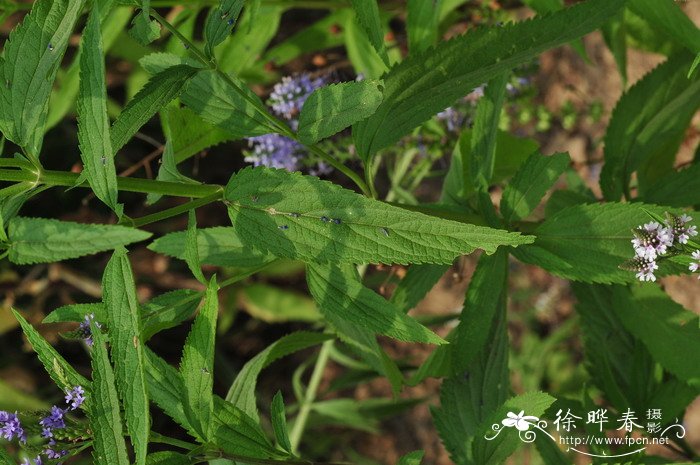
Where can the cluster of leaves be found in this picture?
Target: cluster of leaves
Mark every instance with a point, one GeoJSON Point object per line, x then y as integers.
{"type": "Point", "coordinates": [202, 97]}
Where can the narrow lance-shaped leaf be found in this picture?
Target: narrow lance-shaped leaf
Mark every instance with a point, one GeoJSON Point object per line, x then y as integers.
{"type": "Point", "coordinates": [341, 296]}
{"type": "Point", "coordinates": [109, 447]}
{"type": "Point", "coordinates": [192, 248]}
{"type": "Point", "coordinates": [482, 159]}
{"type": "Point", "coordinates": [668, 16]}
{"type": "Point", "coordinates": [530, 184]}
{"type": "Point", "coordinates": [197, 364]}
{"type": "Point", "coordinates": [416, 284]}
{"type": "Point", "coordinates": [220, 22]}
{"type": "Point", "coordinates": [423, 20]}
{"type": "Point", "coordinates": [279, 422]}
{"type": "Point", "coordinates": [39, 240]}
{"type": "Point", "coordinates": [302, 217]}
{"type": "Point", "coordinates": [331, 109]}
{"type": "Point", "coordinates": [426, 84]}
{"type": "Point", "coordinates": [124, 323]}
{"type": "Point", "coordinates": [93, 122]}
{"type": "Point", "coordinates": [158, 91]}
{"type": "Point", "coordinates": [60, 371]}
{"type": "Point", "coordinates": [367, 13]}
{"type": "Point", "coordinates": [32, 57]}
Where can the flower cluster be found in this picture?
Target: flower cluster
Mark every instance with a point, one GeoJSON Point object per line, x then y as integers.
{"type": "Point", "coordinates": [653, 241]}
{"type": "Point", "coordinates": [286, 100]}
{"type": "Point", "coordinates": [85, 330]}
{"type": "Point", "coordinates": [55, 420]}
{"type": "Point", "coordinates": [695, 265]}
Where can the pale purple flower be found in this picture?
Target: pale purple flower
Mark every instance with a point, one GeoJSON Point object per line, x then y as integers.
{"type": "Point", "coordinates": [452, 118]}
{"type": "Point", "coordinates": [10, 427]}
{"type": "Point", "coordinates": [288, 96]}
{"type": "Point", "coordinates": [695, 266]}
{"type": "Point", "coordinates": [36, 461]}
{"type": "Point", "coordinates": [645, 268]}
{"type": "Point", "coordinates": [55, 420]}
{"type": "Point", "coordinates": [652, 240]}
{"type": "Point", "coordinates": [75, 397]}
{"type": "Point", "coordinates": [680, 229]}
{"type": "Point", "coordinates": [274, 151]}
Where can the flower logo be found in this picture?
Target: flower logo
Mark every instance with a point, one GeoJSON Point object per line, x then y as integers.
{"type": "Point", "coordinates": [520, 421]}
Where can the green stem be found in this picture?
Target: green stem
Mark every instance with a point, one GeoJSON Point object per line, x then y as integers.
{"type": "Point", "coordinates": [305, 408]}
{"type": "Point", "coordinates": [190, 46]}
{"type": "Point", "coordinates": [357, 179]}
{"type": "Point", "coordinates": [174, 211]}
{"type": "Point", "coordinates": [160, 439]}
{"type": "Point", "coordinates": [369, 179]}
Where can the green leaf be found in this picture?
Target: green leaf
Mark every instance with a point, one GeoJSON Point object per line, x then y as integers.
{"type": "Point", "coordinates": [412, 458]}
{"type": "Point", "coordinates": [549, 6]}
{"type": "Point", "coordinates": [220, 22]}
{"type": "Point", "coordinates": [663, 326]}
{"type": "Point", "coordinates": [93, 122]}
{"type": "Point", "coordinates": [667, 16]}
{"type": "Point", "coordinates": [13, 399]}
{"type": "Point", "coordinates": [422, 23]}
{"type": "Point", "coordinates": [236, 433]}
{"type": "Point", "coordinates": [124, 323]}
{"type": "Point", "coordinates": [76, 313]}
{"type": "Point", "coordinates": [39, 240]}
{"type": "Point", "coordinates": [242, 391]}
{"type": "Point", "coordinates": [189, 134]}
{"type": "Point", "coordinates": [216, 246]}
{"type": "Point", "coordinates": [143, 29]}
{"type": "Point", "coordinates": [274, 305]}
{"type": "Point", "coordinates": [532, 181]}
{"type": "Point", "coordinates": [589, 242]}
{"type": "Point", "coordinates": [167, 311]}
{"type": "Point", "coordinates": [279, 422]}
{"type": "Point", "coordinates": [481, 162]}
{"type": "Point", "coordinates": [168, 172]}
{"type": "Point", "coordinates": [159, 62]}
{"type": "Point", "coordinates": [227, 103]}
{"type": "Point", "coordinates": [615, 35]}
{"type": "Point", "coordinates": [192, 248]}
{"type": "Point", "coordinates": [60, 371]}
{"type": "Point", "coordinates": [362, 55]}
{"type": "Point", "coordinates": [413, 287]}
{"type": "Point", "coordinates": [367, 16]}
{"type": "Point", "coordinates": [656, 110]}
{"type": "Point", "coordinates": [332, 108]}
{"type": "Point", "coordinates": [109, 447]}
{"type": "Point", "coordinates": [341, 296]}
{"type": "Point", "coordinates": [677, 189]}
{"type": "Point", "coordinates": [167, 458]}
{"type": "Point", "coordinates": [32, 56]}
{"type": "Point", "coordinates": [158, 91]}
{"type": "Point", "coordinates": [5, 458]}
{"type": "Point", "coordinates": [302, 217]}
{"type": "Point", "coordinates": [426, 84]}
{"type": "Point", "coordinates": [197, 364]}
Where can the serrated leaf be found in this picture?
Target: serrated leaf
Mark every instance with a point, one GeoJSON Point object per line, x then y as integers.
{"type": "Point", "coordinates": [656, 110]}
{"type": "Point", "coordinates": [197, 366]}
{"type": "Point", "coordinates": [39, 240]}
{"type": "Point", "coordinates": [227, 103]}
{"type": "Point", "coordinates": [189, 134]}
{"type": "Point", "coordinates": [144, 30]}
{"type": "Point", "coordinates": [302, 217]}
{"type": "Point", "coordinates": [242, 391]}
{"type": "Point", "coordinates": [279, 422]}
{"type": "Point", "coordinates": [532, 181]}
{"type": "Point", "coordinates": [422, 22]}
{"type": "Point", "coordinates": [124, 323]}
{"type": "Point", "coordinates": [664, 327]}
{"type": "Point", "coordinates": [667, 16]}
{"type": "Point", "coordinates": [216, 246]}
{"type": "Point", "coordinates": [158, 91]}
{"type": "Point", "coordinates": [32, 57]}
{"type": "Point", "coordinates": [168, 172]}
{"type": "Point", "coordinates": [367, 15]}
{"type": "Point", "coordinates": [412, 458]}
{"type": "Point", "coordinates": [482, 159]}
{"type": "Point", "coordinates": [341, 296]}
{"type": "Point", "coordinates": [93, 122]}
{"type": "Point", "coordinates": [364, 58]}
{"type": "Point", "coordinates": [332, 108]}
{"type": "Point", "coordinates": [60, 371]}
{"type": "Point", "coordinates": [413, 287]}
{"type": "Point", "coordinates": [220, 22]}
{"type": "Point", "coordinates": [192, 248]}
{"type": "Point", "coordinates": [425, 84]}
{"type": "Point", "coordinates": [588, 243]}
{"type": "Point", "coordinates": [158, 62]}
{"type": "Point", "coordinates": [76, 313]}
{"type": "Point", "coordinates": [677, 189]}
{"type": "Point", "coordinates": [167, 458]}
{"type": "Point", "coordinates": [109, 447]}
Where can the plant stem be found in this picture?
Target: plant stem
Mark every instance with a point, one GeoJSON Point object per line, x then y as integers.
{"type": "Point", "coordinates": [174, 211]}
{"type": "Point", "coordinates": [316, 150]}
{"type": "Point", "coordinates": [311, 391]}
{"type": "Point", "coordinates": [190, 46]}
{"type": "Point", "coordinates": [160, 439]}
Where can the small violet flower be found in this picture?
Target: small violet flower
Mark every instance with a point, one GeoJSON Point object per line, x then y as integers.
{"type": "Point", "coordinates": [288, 96]}
{"type": "Point", "coordinates": [10, 427]}
{"type": "Point", "coordinates": [86, 331]}
{"type": "Point", "coordinates": [652, 240]}
{"type": "Point", "coordinates": [274, 151]}
{"type": "Point", "coordinates": [695, 266]}
{"type": "Point", "coordinates": [680, 229]}
{"type": "Point", "coordinates": [75, 397]}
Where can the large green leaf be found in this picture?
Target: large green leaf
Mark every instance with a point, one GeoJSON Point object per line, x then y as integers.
{"type": "Point", "coordinates": [531, 183]}
{"type": "Point", "coordinates": [677, 189]}
{"type": "Point", "coordinates": [93, 122]}
{"type": "Point", "coordinates": [60, 371]}
{"type": "Point", "coordinates": [652, 114]}
{"type": "Point", "coordinates": [664, 327]}
{"type": "Point", "coordinates": [190, 134]}
{"type": "Point", "coordinates": [341, 296]}
{"type": "Point", "coordinates": [422, 24]}
{"type": "Point", "coordinates": [589, 242]}
{"type": "Point", "coordinates": [39, 240]}
{"type": "Point", "coordinates": [227, 103]}
{"type": "Point", "coordinates": [367, 16]}
{"type": "Point", "coordinates": [331, 109]}
{"type": "Point", "coordinates": [302, 217]}
{"type": "Point", "coordinates": [216, 246]}
{"type": "Point", "coordinates": [124, 323]}
{"type": "Point", "coordinates": [426, 84]}
{"type": "Point", "coordinates": [242, 391]}
{"type": "Point", "coordinates": [32, 56]}
{"type": "Point", "coordinates": [158, 91]}
{"type": "Point", "coordinates": [197, 366]}
{"type": "Point", "coordinates": [109, 447]}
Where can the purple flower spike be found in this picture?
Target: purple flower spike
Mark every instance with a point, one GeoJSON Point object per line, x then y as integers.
{"type": "Point", "coordinates": [10, 427]}
{"type": "Point", "coordinates": [75, 397]}
{"type": "Point", "coordinates": [86, 330]}
{"type": "Point", "coordinates": [288, 96]}
{"type": "Point", "coordinates": [274, 151]}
